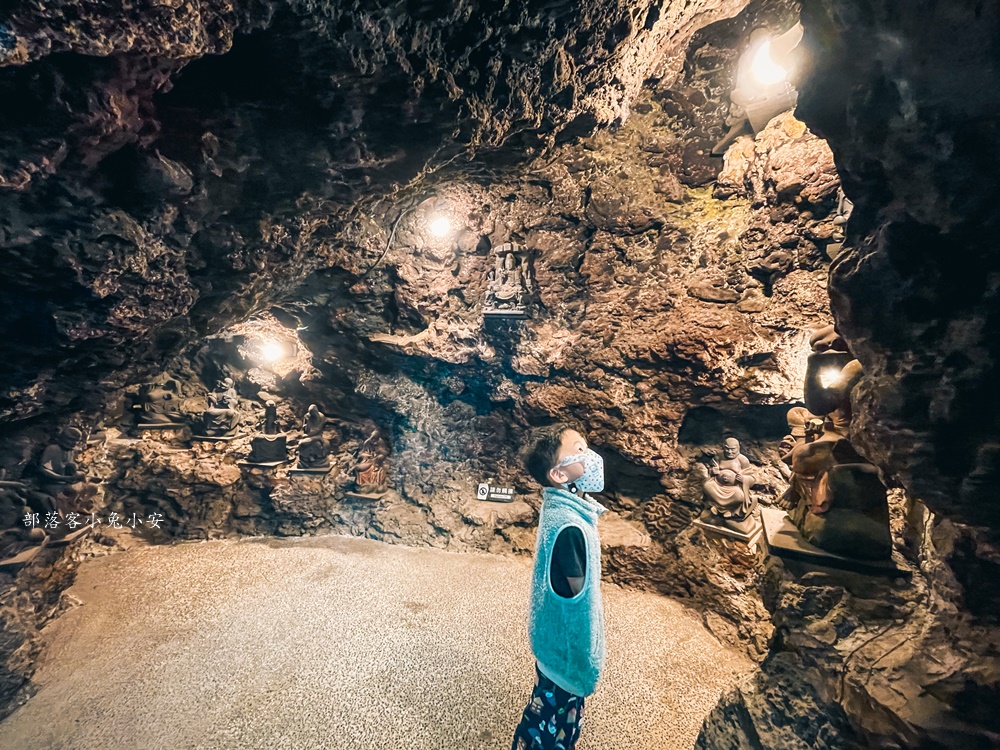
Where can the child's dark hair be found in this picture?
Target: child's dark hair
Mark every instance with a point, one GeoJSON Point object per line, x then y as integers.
{"type": "Point", "coordinates": [540, 455]}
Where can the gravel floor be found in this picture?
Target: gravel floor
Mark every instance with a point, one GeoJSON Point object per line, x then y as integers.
{"type": "Point", "coordinates": [344, 643]}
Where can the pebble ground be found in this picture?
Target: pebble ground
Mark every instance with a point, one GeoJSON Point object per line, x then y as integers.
{"type": "Point", "coordinates": [334, 642]}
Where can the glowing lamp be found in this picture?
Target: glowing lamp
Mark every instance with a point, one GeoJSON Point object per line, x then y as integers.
{"type": "Point", "coordinates": [824, 383]}
{"type": "Point", "coordinates": [763, 67]}
{"type": "Point", "coordinates": [272, 351]}
{"type": "Point", "coordinates": [829, 376]}
{"type": "Point", "coordinates": [440, 226]}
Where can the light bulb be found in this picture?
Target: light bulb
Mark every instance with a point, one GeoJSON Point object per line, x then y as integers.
{"type": "Point", "coordinates": [764, 68]}
{"type": "Point", "coordinates": [440, 226]}
{"type": "Point", "coordinates": [272, 351]}
{"type": "Point", "coordinates": [829, 376]}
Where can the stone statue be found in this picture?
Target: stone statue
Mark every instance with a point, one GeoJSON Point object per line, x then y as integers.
{"type": "Point", "coordinates": [803, 427]}
{"type": "Point", "coordinates": [271, 418]}
{"type": "Point", "coordinates": [15, 537]}
{"type": "Point", "coordinates": [221, 417]}
{"type": "Point", "coordinates": [63, 484]}
{"type": "Point", "coordinates": [314, 454]}
{"type": "Point", "coordinates": [727, 490]}
{"type": "Point", "coordinates": [271, 446]}
{"type": "Point", "coordinates": [314, 422]}
{"type": "Point", "coordinates": [845, 207]}
{"type": "Point", "coordinates": [370, 469]}
{"type": "Point", "coordinates": [159, 405]}
{"type": "Point", "coordinates": [835, 497]}
{"type": "Point", "coordinates": [314, 450]}
{"type": "Point", "coordinates": [58, 464]}
{"type": "Point", "coordinates": [509, 283]}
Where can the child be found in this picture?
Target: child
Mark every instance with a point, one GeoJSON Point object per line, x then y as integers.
{"type": "Point", "coordinates": [566, 621]}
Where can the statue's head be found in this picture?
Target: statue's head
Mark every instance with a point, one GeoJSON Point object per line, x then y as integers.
{"type": "Point", "coordinates": [730, 448]}
{"type": "Point", "coordinates": [313, 411]}
{"type": "Point", "coordinates": [69, 438]}
{"type": "Point", "coordinates": [509, 262]}
{"type": "Point", "coordinates": [827, 339]}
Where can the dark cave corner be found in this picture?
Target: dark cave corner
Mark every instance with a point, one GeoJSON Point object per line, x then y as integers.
{"type": "Point", "coordinates": [445, 226]}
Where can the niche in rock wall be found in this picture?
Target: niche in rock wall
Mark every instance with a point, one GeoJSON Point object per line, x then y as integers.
{"type": "Point", "coordinates": [629, 482]}
{"type": "Point", "coordinates": [709, 425]}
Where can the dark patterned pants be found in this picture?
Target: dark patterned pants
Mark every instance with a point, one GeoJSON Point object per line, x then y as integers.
{"type": "Point", "coordinates": [551, 720]}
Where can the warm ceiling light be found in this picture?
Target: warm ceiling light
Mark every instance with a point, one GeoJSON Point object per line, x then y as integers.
{"type": "Point", "coordinates": [765, 70]}
{"type": "Point", "coordinates": [272, 351]}
{"type": "Point", "coordinates": [440, 226]}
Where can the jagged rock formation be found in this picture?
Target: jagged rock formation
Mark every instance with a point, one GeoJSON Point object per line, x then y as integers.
{"type": "Point", "coordinates": [170, 173]}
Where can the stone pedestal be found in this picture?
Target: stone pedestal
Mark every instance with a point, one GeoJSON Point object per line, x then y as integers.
{"type": "Point", "coordinates": [317, 471]}
{"type": "Point", "coordinates": [786, 541]}
{"type": "Point", "coordinates": [365, 496]}
{"type": "Point", "coordinates": [262, 465]}
{"type": "Point", "coordinates": [750, 538]}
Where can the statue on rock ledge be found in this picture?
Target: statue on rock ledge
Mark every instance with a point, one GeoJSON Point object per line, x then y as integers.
{"type": "Point", "coordinates": [727, 491]}
{"type": "Point", "coordinates": [836, 498]}
{"type": "Point", "coordinates": [221, 417]}
{"type": "Point", "coordinates": [271, 446]}
{"type": "Point", "coordinates": [314, 450]}
{"type": "Point", "coordinates": [61, 478]}
{"type": "Point", "coordinates": [370, 466]}
{"type": "Point", "coordinates": [158, 406]}
{"type": "Point", "coordinates": [509, 283]}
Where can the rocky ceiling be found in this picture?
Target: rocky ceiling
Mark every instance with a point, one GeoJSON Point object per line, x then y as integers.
{"type": "Point", "coordinates": [173, 175]}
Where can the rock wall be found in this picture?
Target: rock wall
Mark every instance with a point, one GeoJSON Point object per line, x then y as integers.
{"type": "Point", "coordinates": [906, 99]}
{"type": "Point", "coordinates": [172, 176]}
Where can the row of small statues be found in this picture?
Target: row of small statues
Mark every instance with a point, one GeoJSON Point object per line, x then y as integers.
{"type": "Point", "coordinates": [270, 448]}
{"type": "Point", "coordinates": [61, 486]}
{"type": "Point", "coordinates": [159, 407]}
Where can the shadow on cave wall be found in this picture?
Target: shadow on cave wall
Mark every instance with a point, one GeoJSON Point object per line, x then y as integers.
{"type": "Point", "coordinates": [753, 424]}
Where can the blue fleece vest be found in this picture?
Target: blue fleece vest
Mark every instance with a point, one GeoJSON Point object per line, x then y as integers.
{"type": "Point", "coordinates": [567, 635]}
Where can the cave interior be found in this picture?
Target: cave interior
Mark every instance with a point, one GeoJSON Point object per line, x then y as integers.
{"type": "Point", "coordinates": [289, 287]}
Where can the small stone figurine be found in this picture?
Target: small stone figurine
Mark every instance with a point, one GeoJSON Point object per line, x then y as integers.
{"type": "Point", "coordinates": [61, 478]}
{"type": "Point", "coordinates": [369, 468]}
{"type": "Point", "coordinates": [844, 210]}
{"type": "Point", "coordinates": [15, 537]}
{"type": "Point", "coordinates": [158, 406]}
{"type": "Point", "coordinates": [727, 490]}
{"type": "Point", "coordinates": [220, 419]}
{"type": "Point", "coordinates": [269, 448]}
{"type": "Point", "coordinates": [314, 451]}
{"type": "Point", "coordinates": [509, 283]}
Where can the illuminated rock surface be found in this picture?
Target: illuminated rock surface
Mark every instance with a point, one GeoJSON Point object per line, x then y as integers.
{"type": "Point", "coordinates": [180, 177]}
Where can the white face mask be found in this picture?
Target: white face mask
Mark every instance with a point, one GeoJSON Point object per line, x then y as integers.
{"type": "Point", "coordinates": [592, 479]}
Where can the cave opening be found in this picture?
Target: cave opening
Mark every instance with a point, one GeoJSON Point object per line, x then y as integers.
{"type": "Point", "coordinates": [407, 374]}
